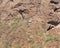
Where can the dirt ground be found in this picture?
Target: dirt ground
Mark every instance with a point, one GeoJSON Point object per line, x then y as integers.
{"type": "Point", "coordinates": [29, 23]}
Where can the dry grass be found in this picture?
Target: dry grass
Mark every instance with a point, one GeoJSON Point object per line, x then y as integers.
{"type": "Point", "coordinates": [19, 35]}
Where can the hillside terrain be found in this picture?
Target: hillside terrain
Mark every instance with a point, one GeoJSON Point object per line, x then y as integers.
{"type": "Point", "coordinates": [29, 23]}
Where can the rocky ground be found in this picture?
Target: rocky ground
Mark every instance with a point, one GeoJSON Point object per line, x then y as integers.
{"type": "Point", "coordinates": [29, 23]}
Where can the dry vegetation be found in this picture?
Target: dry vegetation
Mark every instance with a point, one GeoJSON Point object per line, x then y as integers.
{"type": "Point", "coordinates": [29, 24]}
